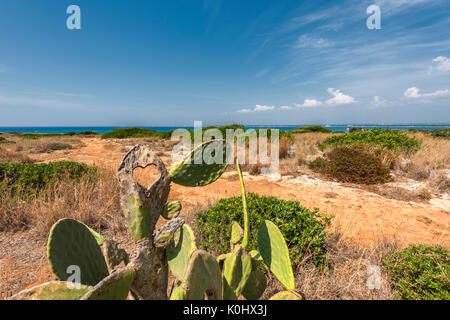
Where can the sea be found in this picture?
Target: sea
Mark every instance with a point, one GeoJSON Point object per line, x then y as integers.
{"type": "Point", "coordinates": [332, 127]}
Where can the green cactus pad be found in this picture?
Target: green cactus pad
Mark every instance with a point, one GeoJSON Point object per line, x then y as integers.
{"type": "Point", "coordinates": [275, 253]}
{"type": "Point", "coordinates": [236, 233]}
{"type": "Point", "coordinates": [236, 271]}
{"type": "Point", "coordinates": [201, 174]}
{"type": "Point", "coordinates": [113, 254]}
{"type": "Point", "coordinates": [286, 295]}
{"type": "Point", "coordinates": [171, 210]}
{"type": "Point", "coordinates": [115, 287]}
{"type": "Point", "coordinates": [137, 210]}
{"type": "Point", "coordinates": [98, 237]}
{"type": "Point", "coordinates": [178, 294]}
{"type": "Point", "coordinates": [255, 286]}
{"type": "Point", "coordinates": [180, 250]}
{"type": "Point", "coordinates": [203, 274]}
{"type": "Point", "coordinates": [70, 243]}
{"type": "Point", "coordinates": [54, 290]}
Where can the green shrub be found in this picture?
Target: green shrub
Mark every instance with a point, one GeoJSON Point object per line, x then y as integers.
{"type": "Point", "coordinates": [420, 272]}
{"type": "Point", "coordinates": [304, 230]}
{"type": "Point", "coordinates": [58, 146]}
{"type": "Point", "coordinates": [352, 164]}
{"type": "Point", "coordinates": [28, 179]}
{"type": "Point", "coordinates": [125, 133]}
{"type": "Point", "coordinates": [4, 140]}
{"type": "Point", "coordinates": [390, 139]}
{"type": "Point", "coordinates": [441, 133]}
{"type": "Point", "coordinates": [311, 129]}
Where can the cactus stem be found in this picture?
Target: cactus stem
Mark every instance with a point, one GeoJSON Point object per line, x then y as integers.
{"type": "Point", "coordinates": [244, 205]}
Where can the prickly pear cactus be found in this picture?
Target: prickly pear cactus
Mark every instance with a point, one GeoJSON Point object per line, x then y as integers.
{"type": "Point", "coordinates": [274, 252]}
{"type": "Point", "coordinates": [287, 295]}
{"type": "Point", "coordinates": [236, 233]}
{"type": "Point", "coordinates": [237, 268]}
{"type": "Point", "coordinates": [197, 170]}
{"type": "Point", "coordinates": [178, 294]}
{"type": "Point", "coordinates": [165, 235]}
{"type": "Point", "coordinates": [113, 254]}
{"type": "Point", "coordinates": [142, 207]}
{"type": "Point", "coordinates": [54, 290]}
{"type": "Point", "coordinates": [72, 244]}
{"type": "Point", "coordinates": [115, 287]}
{"type": "Point", "coordinates": [180, 250]}
{"type": "Point", "coordinates": [255, 286]}
{"type": "Point", "coordinates": [203, 277]}
{"type": "Point", "coordinates": [171, 210]}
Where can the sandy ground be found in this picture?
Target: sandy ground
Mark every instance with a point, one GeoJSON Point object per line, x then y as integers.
{"type": "Point", "coordinates": [362, 217]}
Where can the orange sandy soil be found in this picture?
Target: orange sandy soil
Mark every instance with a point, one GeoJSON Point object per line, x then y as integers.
{"type": "Point", "coordinates": [362, 217]}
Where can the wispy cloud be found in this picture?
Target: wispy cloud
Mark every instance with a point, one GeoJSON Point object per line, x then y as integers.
{"type": "Point", "coordinates": [258, 108]}
{"type": "Point", "coordinates": [285, 108]}
{"type": "Point", "coordinates": [441, 63]}
{"type": "Point", "coordinates": [414, 93]}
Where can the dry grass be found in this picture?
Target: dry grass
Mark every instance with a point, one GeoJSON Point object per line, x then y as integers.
{"type": "Point", "coordinates": [9, 156]}
{"type": "Point", "coordinates": [41, 145]}
{"type": "Point", "coordinates": [346, 275]}
{"type": "Point", "coordinates": [95, 203]}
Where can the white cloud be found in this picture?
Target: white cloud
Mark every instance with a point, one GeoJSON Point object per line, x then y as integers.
{"type": "Point", "coordinates": [285, 108]}
{"type": "Point", "coordinates": [442, 63]}
{"type": "Point", "coordinates": [309, 103]}
{"type": "Point", "coordinates": [257, 108]}
{"type": "Point", "coordinates": [414, 93]}
{"type": "Point", "coordinates": [377, 102]}
{"type": "Point", "coordinates": [339, 97]}
{"type": "Point", "coordinates": [263, 108]}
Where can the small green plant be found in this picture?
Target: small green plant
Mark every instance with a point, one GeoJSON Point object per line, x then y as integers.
{"type": "Point", "coordinates": [74, 247]}
{"type": "Point", "coordinates": [311, 129]}
{"type": "Point", "coordinates": [391, 139]}
{"type": "Point", "coordinates": [303, 229]}
{"type": "Point", "coordinates": [441, 133]}
{"type": "Point", "coordinates": [420, 272]}
{"type": "Point", "coordinates": [5, 141]}
{"type": "Point", "coordinates": [352, 164]}
{"type": "Point", "coordinates": [54, 146]}
{"type": "Point", "coordinates": [27, 178]}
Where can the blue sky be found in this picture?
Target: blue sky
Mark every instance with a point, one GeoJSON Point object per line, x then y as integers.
{"type": "Point", "coordinates": [254, 62]}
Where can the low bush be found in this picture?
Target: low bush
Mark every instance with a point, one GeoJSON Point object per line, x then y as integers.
{"type": "Point", "coordinates": [25, 180]}
{"type": "Point", "coordinates": [441, 133]}
{"type": "Point", "coordinates": [4, 140]}
{"type": "Point", "coordinates": [311, 129]}
{"type": "Point", "coordinates": [391, 139]}
{"type": "Point", "coordinates": [420, 272]}
{"type": "Point", "coordinates": [352, 164]}
{"type": "Point", "coordinates": [125, 133]}
{"type": "Point", "coordinates": [58, 146]}
{"type": "Point", "coordinates": [303, 229]}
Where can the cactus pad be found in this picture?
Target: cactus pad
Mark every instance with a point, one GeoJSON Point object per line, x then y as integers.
{"type": "Point", "coordinates": [274, 251]}
{"type": "Point", "coordinates": [171, 210]}
{"type": "Point", "coordinates": [113, 254]}
{"type": "Point", "coordinates": [203, 274]}
{"type": "Point", "coordinates": [180, 250]}
{"type": "Point", "coordinates": [287, 295]}
{"type": "Point", "coordinates": [137, 210]}
{"type": "Point", "coordinates": [178, 294]}
{"type": "Point", "coordinates": [164, 235]}
{"type": "Point", "coordinates": [71, 243]}
{"type": "Point", "coordinates": [188, 173]}
{"type": "Point", "coordinates": [255, 286]}
{"type": "Point", "coordinates": [236, 271]}
{"type": "Point", "coordinates": [115, 287]}
{"type": "Point", "coordinates": [236, 233]}
{"type": "Point", "coordinates": [54, 290]}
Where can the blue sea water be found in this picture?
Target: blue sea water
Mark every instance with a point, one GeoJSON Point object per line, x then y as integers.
{"type": "Point", "coordinates": [333, 128]}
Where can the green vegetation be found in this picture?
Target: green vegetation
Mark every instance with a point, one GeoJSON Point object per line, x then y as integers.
{"type": "Point", "coordinates": [304, 230]}
{"type": "Point", "coordinates": [35, 136]}
{"type": "Point", "coordinates": [27, 179]}
{"type": "Point", "coordinates": [311, 129]}
{"type": "Point", "coordinates": [420, 272]}
{"type": "Point", "coordinates": [441, 133]}
{"type": "Point", "coordinates": [355, 164]}
{"type": "Point", "coordinates": [390, 139]}
{"type": "Point", "coordinates": [4, 140]}
{"type": "Point", "coordinates": [58, 146]}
